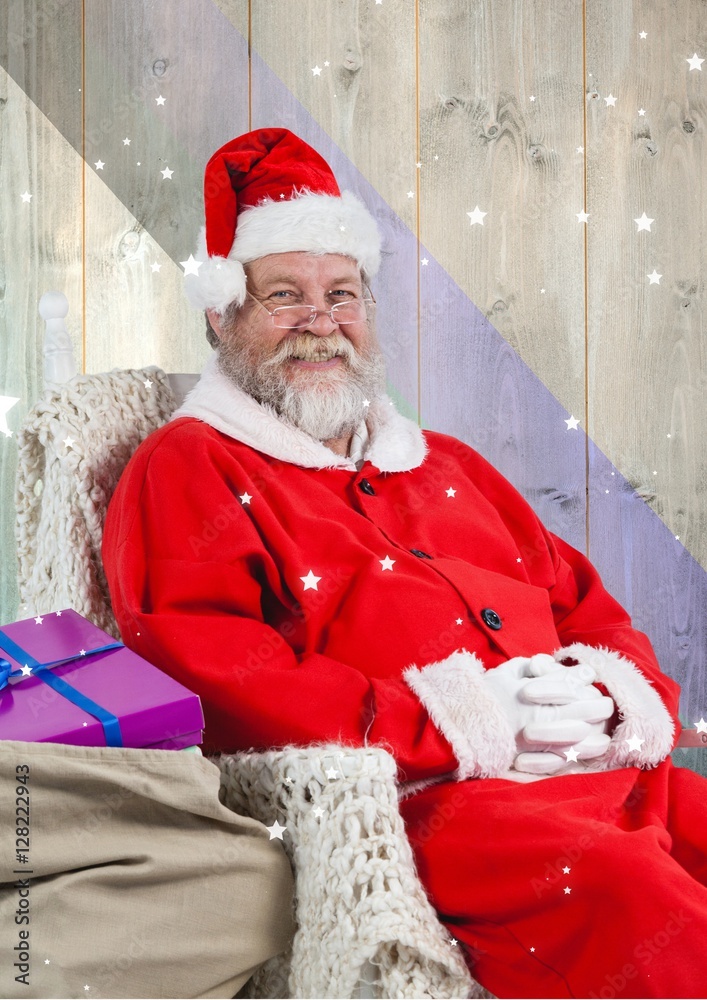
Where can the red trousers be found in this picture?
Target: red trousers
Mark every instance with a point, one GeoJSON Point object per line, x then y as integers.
{"type": "Point", "coordinates": [590, 885]}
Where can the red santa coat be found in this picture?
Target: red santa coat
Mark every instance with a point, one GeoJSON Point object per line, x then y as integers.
{"type": "Point", "coordinates": [307, 600]}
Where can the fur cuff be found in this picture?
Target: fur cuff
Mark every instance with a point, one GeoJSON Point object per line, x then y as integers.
{"type": "Point", "coordinates": [466, 712]}
{"type": "Point", "coordinates": [641, 710]}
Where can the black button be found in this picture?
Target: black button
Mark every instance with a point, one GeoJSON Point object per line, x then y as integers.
{"type": "Point", "coordinates": [366, 487]}
{"type": "Point", "coordinates": [491, 618]}
{"type": "Point", "coordinates": [420, 554]}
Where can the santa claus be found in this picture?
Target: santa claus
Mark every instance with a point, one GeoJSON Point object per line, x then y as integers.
{"type": "Point", "coordinates": [318, 568]}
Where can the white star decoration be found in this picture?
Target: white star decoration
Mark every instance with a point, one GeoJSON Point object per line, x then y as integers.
{"type": "Point", "coordinates": [310, 581]}
{"type": "Point", "coordinates": [695, 63]}
{"type": "Point", "coordinates": [316, 71]}
{"type": "Point", "coordinates": [318, 812]}
{"type": "Point", "coordinates": [160, 100]}
{"type": "Point", "coordinates": [6, 404]}
{"type": "Point", "coordinates": [126, 141]}
{"type": "Point", "coordinates": [424, 262]}
{"type": "Point", "coordinates": [69, 441]}
{"type": "Point", "coordinates": [654, 278]}
{"type": "Point", "coordinates": [582, 216]}
{"type": "Point", "coordinates": [148, 383]}
{"type": "Point", "coordinates": [459, 621]}
{"type": "Point", "coordinates": [701, 726]}
{"type": "Point", "coordinates": [191, 266]}
{"type": "Point", "coordinates": [571, 755]}
{"type": "Point", "coordinates": [566, 870]}
{"type": "Point", "coordinates": [167, 173]}
{"type": "Point", "coordinates": [450, 492]}
{"type": "Point", "coordinates": [477, 216]}
{"type": "Point", "coordinates": [331, 773]}
{"type": "Point", "coordinates": [99, 165]}
{"type": "Point", "coordinates": [567, 890]}
{"type": "Point", "coordinates": [387, 563]}
{"type": "Point", "coordinates": [245, 498]}
{"type": "Point", "coordinates": [26, 197]}
{"type": "Point", "coordinates": [39, 619]}
{"type": "Point", "coordinates": [411, 194]}
{"type": "Point", "coordinates": [276, 831]}
{"type": "Point", "coordinates": [634, 743]}
{"type": "Point", "coordinates": [642, 34]}
{"type": "Point", "coordinates": [156, 267]}
{"type": "Point", "coordinates": [572, 424]}
{"type": "Point", "coordinates": [644, 223]}
{"type": "Point", "coordinates": [610, 101]}
{"type": "Point", "coordinates": [26, 671]}
{"type": "Point", "coordinates": [641, 112]}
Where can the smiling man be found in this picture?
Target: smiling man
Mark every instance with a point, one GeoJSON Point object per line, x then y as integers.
{"type": "Point", "coordinates": [319, 569]}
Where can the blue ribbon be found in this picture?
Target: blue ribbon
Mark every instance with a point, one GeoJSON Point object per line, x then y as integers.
{"type": "Point", "coordinates": [110, 723]}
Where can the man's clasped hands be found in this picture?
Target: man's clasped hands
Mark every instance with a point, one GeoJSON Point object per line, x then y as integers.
{"type": "Point", "coordinates": [557, 715]}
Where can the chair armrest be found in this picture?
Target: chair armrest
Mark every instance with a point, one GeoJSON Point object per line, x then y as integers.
{"type": "Point", "coordinates": [358, 896]}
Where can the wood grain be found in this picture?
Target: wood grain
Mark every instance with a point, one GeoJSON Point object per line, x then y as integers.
{"type": "Point", "coordinates": [500, 123]}
{"type": "Point", "coordinates": [647, 373]}
{"type": "Point", "coordinates": [135, 216]}
{"type": "Point", "coordinates": [40, 241]}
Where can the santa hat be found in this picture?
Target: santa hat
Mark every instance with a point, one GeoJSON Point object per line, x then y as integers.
{"type": "Point", "coordinates": [269, 192]}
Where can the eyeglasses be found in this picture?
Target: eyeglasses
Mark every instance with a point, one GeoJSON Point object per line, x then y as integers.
{"type": "Point", "coordinates": [298, 317]}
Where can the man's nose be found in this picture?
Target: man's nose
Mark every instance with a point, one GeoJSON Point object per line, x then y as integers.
{"type": "Point", "coordinates": [322, 325]}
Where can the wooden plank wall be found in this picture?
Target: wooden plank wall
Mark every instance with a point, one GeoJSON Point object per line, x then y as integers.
{"type": "Point", "coordinates": [494, 332]}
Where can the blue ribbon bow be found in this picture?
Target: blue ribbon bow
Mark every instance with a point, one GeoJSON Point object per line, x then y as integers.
{"type": "Point", "coordinates": [110, 723]}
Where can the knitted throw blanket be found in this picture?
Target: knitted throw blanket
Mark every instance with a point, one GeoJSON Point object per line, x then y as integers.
{"type": "Point", "coordinates": [73, 446]}
{"type": "Point", "coordinates": [359, 902]}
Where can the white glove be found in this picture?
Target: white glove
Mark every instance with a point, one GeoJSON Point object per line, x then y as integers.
{"type": "Point", "coordinates": [552, 709]}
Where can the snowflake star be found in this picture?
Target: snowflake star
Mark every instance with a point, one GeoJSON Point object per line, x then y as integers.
{"type": "Point", "coordinates": [156, 268]}
{"type": "Point", "coordinates": [582, 216]}
{"type": "Point", "coordinates": [450, 492]}
{"type": "Point", "coordinates": [695, 63]}
{"type": "Point", "coordinates": [566, 870]}
{"type": "Point", "coordinates": [642, 112]}
{"type": "Point", "coordinates": [99, 165]}
{"type": "Point", "coordinates": [245, 498]}
{"type": "Point", "coordinates": [610, 101]}
{"type": "Point", "coordinates": [276, 831]}
{"type": "Point", "coordinates": [126, 141]}
{"type": "Point", "coordinates": [654, 278]}
{"type": "Point", "coordinates": [571, 755]}
{"type": "Point", "coordinates": [634, 743]}
{"type": "Point", "coordinates": [26, 197]}
{"type": "Point", "coordinates": [642, 34]}
{"type": "Point", "coordinates": [316, 71]}
{"type": "Point", "coordinates": [644, 223]}
{"type": "Point", "coordinates": [167, 173]}
{"type": "Point", "coordinates": [567, 890]}
{"type": "Point", "coordinates": [701, 726]}
{"type": "Point", "coordinates": [191, 266]}
{"type": "Point", "coordinates": [572, 423]}
{"type": "Point", "coordinates": [160, 100]}
{"type": "Point", "coordinates": [310, 581]}
{"type": "Point", "coordinates": [148, 383]}
{"type": "Point", "coordinates": [387, 563]}
{"type": "Point", "coordinates": [477, 216]}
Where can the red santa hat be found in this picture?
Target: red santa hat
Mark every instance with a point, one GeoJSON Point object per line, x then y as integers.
{"type": "Point", "coordinates": [269, 192]}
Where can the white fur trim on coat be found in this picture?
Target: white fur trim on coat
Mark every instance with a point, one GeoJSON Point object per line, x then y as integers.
{"type": "Point", "coordinates": [395, 444]}
{"type": "Point", "coordinates": [467, 713]}
{"type": "Point", "coordinates": [641, 709]}
{"type": "Point", "coordinates": [313, 223]}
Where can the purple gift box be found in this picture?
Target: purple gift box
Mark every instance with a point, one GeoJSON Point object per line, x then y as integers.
{"type": "Point", "coordinates": [136, 703]}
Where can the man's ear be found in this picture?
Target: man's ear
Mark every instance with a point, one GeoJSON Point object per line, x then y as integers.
{"type": "Point", "coordinates": [215, 319]}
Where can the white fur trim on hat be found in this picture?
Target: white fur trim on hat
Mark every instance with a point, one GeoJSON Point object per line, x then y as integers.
{"type": "Point", "coordinates": [466, 712]}
{"type": "Point", "coordinates": [313, 223]}
{"type": "Point", "coordinates": [642, 712]}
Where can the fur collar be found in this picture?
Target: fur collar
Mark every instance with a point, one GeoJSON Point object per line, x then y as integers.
{"type": "Point", "coordinates": [396, 444]}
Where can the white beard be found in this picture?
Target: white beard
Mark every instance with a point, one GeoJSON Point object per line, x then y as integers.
{"type": "Point", "coordinates": [326, 404]}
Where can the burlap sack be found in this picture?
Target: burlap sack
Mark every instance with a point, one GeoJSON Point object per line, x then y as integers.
{"type": "Point", "coordinates": [137, 881]}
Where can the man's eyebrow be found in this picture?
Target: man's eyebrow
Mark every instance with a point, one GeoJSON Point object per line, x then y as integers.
{"type": "Point", "coordinates": [290, 280]}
